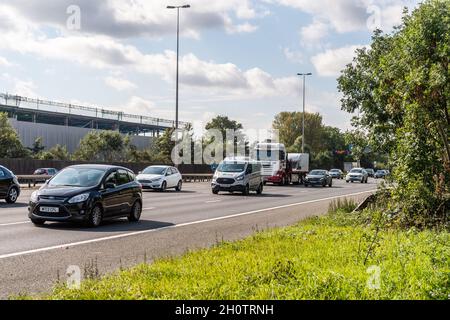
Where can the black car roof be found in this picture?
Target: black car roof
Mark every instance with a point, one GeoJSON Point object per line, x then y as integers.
{"type": "Point", "coordinates": [98, 166]}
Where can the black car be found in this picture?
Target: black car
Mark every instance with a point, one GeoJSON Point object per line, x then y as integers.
{"type": "Point", "coordinates": [319, 178]}
{"type": "Point", "coordinates": [88, 193]}
{"type": "Point", "coordinates": [371, 173]}
{"type": "Point", "coordinates": [9, 186]}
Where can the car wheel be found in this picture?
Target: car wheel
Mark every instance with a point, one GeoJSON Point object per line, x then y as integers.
{"type": "Point", "coordinates": [38, 222]}
{"type": "Point", "coordinates": [260, 189]}
{"type": "Point", "coordinates": [96, 217]}
{"type": "Point", "coordinates": [179, 186]}
{"type": "Point", "coordinates": [331, 183]}
{"type": "Point", "coordinates": [12, 195]}
{"type": "Point", "coordinates": [136, 212]}
{"type": "Point", "coordinates": [215, 191]}
{"type": "Point", "coordinates": [246, 190]}
{"type": "Point", "coordinates": [163, 187]}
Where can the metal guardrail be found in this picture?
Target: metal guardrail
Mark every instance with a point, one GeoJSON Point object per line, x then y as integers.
{"type": "Point", "coordinates": [33, 180]}
{"type": "Point", "coordinates": [199, 177]}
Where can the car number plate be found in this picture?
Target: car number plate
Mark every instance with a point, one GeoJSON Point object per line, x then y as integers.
{"type": "Point", "coordinates": [49, 210]}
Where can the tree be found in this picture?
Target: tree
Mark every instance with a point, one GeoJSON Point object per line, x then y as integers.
{"type": "Point", "coordinates": [58, 152]}
{"type": "Point", "coordinates": [10, 144]}
{"type": "Point", "coordinates": [37, 147]}
{"type": "Point", "coordinates": [401, 87]}
{"type": "Point", "coordinates": [224, 124]}
{"type": "Point", "coordinates": [289, 126]}
{"type": "Point", "coordinates": [103, 146]}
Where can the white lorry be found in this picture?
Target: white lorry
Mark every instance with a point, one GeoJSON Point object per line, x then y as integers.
{"type": "Point", "coordinates": [300, 166]}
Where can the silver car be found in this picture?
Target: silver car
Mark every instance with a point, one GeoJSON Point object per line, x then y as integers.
{"type": "Point", "coordinates": [357, 175]}
{"type": "Point", "coordinates": [160, 178]}
{"type": "Point", "coordinates": [238, 176]}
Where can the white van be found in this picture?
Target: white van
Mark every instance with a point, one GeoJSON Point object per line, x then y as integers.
{"type": "Point", "coordinates": [238, 175]}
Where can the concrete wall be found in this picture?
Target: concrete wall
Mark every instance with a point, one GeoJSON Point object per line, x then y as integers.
{"type": "Point", "coordinates": [65, 136]}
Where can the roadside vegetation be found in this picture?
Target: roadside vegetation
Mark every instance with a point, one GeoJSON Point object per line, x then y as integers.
{"type": "Point", "coordinates": [400, 89]}
{"type": "Point", "coordinates": [340, 256]}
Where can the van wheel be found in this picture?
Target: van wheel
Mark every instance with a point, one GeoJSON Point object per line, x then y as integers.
{"type": "Point", "coordinates": [96, 217]}
{"type": "Point", "coordinates": [12, 195]}
{"type": "Point", "coordinates": [136, 212]}
{"type": "Point", "coordinates": [246, 190]}
{"type": "Point", "coordinates": [260, 189]}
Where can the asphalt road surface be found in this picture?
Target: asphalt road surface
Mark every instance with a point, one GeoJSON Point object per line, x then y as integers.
{"type": "Point", "coordinates": [33, 258]}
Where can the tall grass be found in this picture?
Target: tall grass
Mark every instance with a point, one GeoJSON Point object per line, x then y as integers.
{"type": "Point", "coordinates": [322, 258]}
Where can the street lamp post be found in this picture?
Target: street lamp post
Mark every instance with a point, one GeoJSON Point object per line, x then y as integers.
{"type": "Point", "coordinates": [178, 55]}
{"type": "Point", "coordinates": [304, 75]}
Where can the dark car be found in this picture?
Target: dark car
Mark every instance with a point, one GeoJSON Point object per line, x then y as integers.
{"type": "Point", "coordinates": [370, 172]}
{"type": "Point", "coordinates": [45, 172]}
{"type": "Point", "coordinates": [319, 178]}
{"type": "Point", "coordinates": [88, 193]}
{"type": "Point", "coordinates": [380, 174]}
{"type": "Point", "coordinates": [9, 186]}
{"type": "Point", "coordinates": [337, 174]}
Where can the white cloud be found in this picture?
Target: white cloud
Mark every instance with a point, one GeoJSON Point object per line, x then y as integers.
{"type": "Point", "coordinates": [25, 88]}
{"type": "Point", "coordinates": [138, 105]}
{"type": "Point", "coordinates": [241, 28]}
{"type": "Point", "coordinates": [120, 84]}
{"type": "Point", "coordinates": [314, 33]}
{"type": "Point", "coordinates": [331, 62]}
{"type": "Point", "coordinates": [136, 18]}
{"type": "Point", "coordinates": [351, 15]}
{"type": "Point", "coordinates": [293, 56]}
{"type": "Point", "coordinates": [4, 62]}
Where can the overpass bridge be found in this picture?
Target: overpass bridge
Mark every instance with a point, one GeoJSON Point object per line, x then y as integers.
{"type": "Point", "coordinates": [66, 124]}
{"type": "Point", "coordinates": [72, 115]}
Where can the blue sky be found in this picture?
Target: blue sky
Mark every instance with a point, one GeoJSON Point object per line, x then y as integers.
{"type": "Point", "coordinates": [239, 57]}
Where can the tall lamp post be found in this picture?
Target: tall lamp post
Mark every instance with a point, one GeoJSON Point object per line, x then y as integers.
{"type": "Point", "coordinates": [178, 54]}
{"type": "Point", "coordinates": [304, 75]}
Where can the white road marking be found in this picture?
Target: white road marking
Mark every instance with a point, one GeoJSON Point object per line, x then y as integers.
{"type": "Point", "coordinates": [13, 223]}
{"type": "Point", "coordinates": [137, 233]}
{"type": "Point", "coordinates": [148, 209]}
{"type": "Point", "coordinates": [213, 201]}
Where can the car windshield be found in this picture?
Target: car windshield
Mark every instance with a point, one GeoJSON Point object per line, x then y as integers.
{"type": "Point", "coordinates": [231, 167]}
{"type": "Point", "coordinates": [318, 173]}
{"type": "Point", "coordinates": [356, 171]}
{"type": "Point", "coordinates": [155, 170]}
{"type": "Point", "coordinates": [77, 177]}
{"type": "Point", "coordinates": [335, 170]}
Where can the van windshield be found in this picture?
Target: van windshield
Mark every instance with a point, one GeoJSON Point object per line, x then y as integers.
{"type": "Point", "coordinates": [231, 167]}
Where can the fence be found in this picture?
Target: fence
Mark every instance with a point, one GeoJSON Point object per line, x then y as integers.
{"type": "Point", "coordinates": [28, 166]}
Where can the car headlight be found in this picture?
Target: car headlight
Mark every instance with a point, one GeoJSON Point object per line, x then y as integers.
{"type": "Point", "coordinates": [240, 178]}
{"type": "Point", "coordinates": [34, 197]}
{"type": "Point", "coordinates": [80, 198]}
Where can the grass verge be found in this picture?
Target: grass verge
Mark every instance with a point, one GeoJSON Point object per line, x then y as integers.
{"type": "Point", "coordinates": [338, 256]}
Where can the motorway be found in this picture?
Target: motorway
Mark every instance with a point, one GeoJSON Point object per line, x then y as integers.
{"type": "Point", "coordinates": [33, 258]}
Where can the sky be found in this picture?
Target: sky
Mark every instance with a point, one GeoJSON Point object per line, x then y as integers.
{"type": "Point", "coordinates": [238, 57]}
